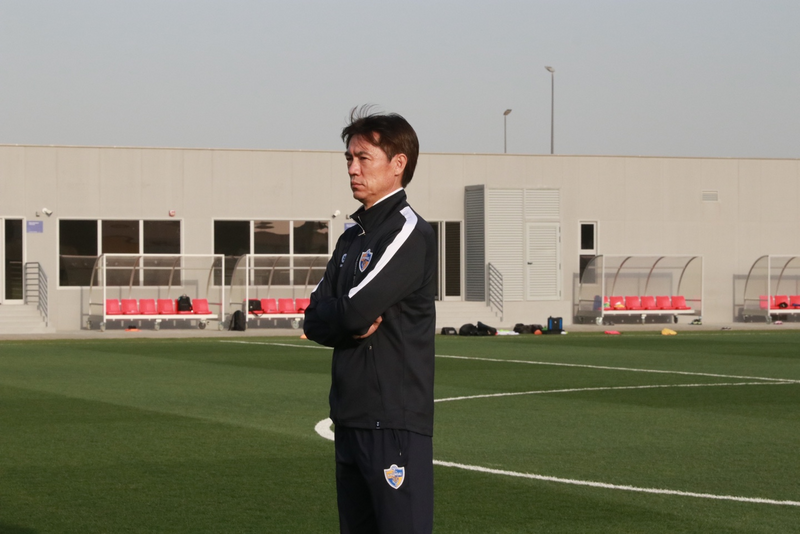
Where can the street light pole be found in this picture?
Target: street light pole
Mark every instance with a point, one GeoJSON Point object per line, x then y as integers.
{"type": "Point", "coordinates": [505, 116]}
{"type": "Point", "coordinates": [552, 105]}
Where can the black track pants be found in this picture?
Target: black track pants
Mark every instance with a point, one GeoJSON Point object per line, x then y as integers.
{"type": "Point", "coordinates": [384, 481]}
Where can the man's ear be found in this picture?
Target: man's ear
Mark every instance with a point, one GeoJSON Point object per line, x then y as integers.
{"type": "Point", "coordinates": [399, 162]}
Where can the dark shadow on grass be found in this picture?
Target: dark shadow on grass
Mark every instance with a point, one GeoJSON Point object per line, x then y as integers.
{"type": "Point", "coordinates": [15, 529]}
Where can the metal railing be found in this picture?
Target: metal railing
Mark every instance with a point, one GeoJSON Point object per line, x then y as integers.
{"type": "Point", "coordinates": [495, 293]}
{"type": "Point", "coordinates": [36, 289]}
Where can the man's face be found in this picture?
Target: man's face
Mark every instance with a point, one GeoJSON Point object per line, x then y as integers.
{"type": "Point", "coordinates": [372, 174]}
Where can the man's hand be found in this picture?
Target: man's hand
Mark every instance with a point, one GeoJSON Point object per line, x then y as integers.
{"type": "Point", "coordinates": [371, 330]}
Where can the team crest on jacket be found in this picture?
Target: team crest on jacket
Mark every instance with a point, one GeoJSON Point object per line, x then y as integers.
{"type": "Point", "coordinates": [395, 476]}
{"type": "Point", "coordinates": [364, 261]}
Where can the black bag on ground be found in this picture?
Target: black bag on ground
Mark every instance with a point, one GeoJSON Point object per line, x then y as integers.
{"type": "Point", "coordinates": [184, 304]}
{"type": "Point", "coordinates": [238, 321]}
{"type": "Point", "coordinates": [448, 331]}
{"type": "Point", "coordinates": [254, 305]}
{"type": "Point", "coordinates": [520, 328]}
{"type": "Point", "coordinates": [554, 325]}
{"type": "Point", "coordinates": [468, 329]}
{"type": "Point", "coordinates": [535, 327]}
{"type": "Point", "coordinates": [486, 330]}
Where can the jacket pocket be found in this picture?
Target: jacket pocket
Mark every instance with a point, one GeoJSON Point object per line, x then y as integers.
{"type": "Point", "coordinates": [356, 391]}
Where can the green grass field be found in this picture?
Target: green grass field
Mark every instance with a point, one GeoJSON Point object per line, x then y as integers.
{"type": "Point", "coordinates": [217, 435]}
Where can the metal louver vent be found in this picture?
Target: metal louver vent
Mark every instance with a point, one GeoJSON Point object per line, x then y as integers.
{"type": "Point", "coordinates": [710, 196]}
{"type": "Point", "coordinates": [543, 204]}
{"type": "Point", "coordinates": [474, 244]}
{"type": "Point", "coordinates": [504, 234]}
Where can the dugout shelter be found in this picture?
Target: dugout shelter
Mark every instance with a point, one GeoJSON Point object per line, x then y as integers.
{"type": "Point", "coordinates": [254, 277]}
{"type": "Point", "coordinates": [139, 289]}
{"type": "Point", "coordinates": [640, 287]}
{"type": "Point", "coordinates": [772, 289]}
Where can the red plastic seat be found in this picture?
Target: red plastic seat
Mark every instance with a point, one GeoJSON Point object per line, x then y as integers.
{"type": "Point", "coordinates": [200, 307]}
{"type": "Point", "coordinates": [632, 302]}
{"type": "Point", "coordinates": [616, 303]}
{"type": "Point", "coordinates": [286, 306]}
{"type": "Point", "coordinates": [130, 307]}
{"type": "Point", "coordinates": [302, 304]}
{"type": "Point", "coordinates": [649, 303]}
{"type": "Point", "coordinates": [794, 301]}
{"type": "Point", "coordinates": [763, 301]}
{"type": "Point", "coordinates": [112, 307]}
{"type": "Point", "coordinates": [778, 300]}
{"type": "Point", "coordinates": [663, 303]}
{"type": "Point", "coordinates": [269, 306]}
{"type": "Point", "coordinates": [165, 306]}
{"type": "Point", "coordinates": [679, 302]}
{"type": "Point", "coordinates": [147, 306]}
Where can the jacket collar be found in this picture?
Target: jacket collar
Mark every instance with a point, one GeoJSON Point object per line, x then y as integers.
{"type": "Point", "coordinates": [370, 219]}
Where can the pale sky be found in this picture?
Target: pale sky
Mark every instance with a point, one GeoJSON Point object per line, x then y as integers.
{"type": "Point", "coordinates": [702, 78]}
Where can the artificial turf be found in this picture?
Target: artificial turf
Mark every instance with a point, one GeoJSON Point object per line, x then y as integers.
{"type": "Point", "coordinates": [205, 435]}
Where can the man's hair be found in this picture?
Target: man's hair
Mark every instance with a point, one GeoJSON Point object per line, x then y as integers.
{"type": "Point", "coordinates": [390, 132]}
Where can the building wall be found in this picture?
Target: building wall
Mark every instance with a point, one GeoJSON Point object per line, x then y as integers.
{"type": "Point", "coordinates": [641, 205]}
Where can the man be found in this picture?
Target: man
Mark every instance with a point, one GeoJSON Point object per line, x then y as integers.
{"type": "Point", "coordinates": [375, 307]}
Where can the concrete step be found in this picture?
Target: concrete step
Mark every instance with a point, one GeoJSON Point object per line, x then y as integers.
{"type": "Point", "coordinates": [24, 331]}
{"type": "Point", "coordinates": [22, 319]}
{"type": "Point", "coordinates": [11, 310]}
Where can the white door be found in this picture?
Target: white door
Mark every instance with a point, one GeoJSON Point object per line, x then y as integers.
{"type": "Point", "coordinates": [543, 268]}
{"type": "Point", "coordinates": [12, 239]}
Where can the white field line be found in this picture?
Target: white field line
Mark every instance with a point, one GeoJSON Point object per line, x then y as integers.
{"type": "Point", "coordinates": [323, 428]}
{"type": "Point", "coordinates": [556, 364]}
{"type": "Point", "coordinates": [278, 344]}
{"type": "Point", "coordinates": [610, 388]}
{"type": "Point", "coordinates": [608, 368]}
{"type": "Point", "coordinates": [603, 485]}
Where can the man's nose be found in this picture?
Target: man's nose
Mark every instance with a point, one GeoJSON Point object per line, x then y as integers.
{"type": "Point", "coordinates": [353, 168]}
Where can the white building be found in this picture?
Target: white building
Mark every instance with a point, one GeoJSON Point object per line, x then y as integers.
{"type": "Point", "coordinates": [535, 218]}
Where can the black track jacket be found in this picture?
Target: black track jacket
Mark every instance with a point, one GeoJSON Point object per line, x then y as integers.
{"type": "Point", "coordinates": [383, 266]}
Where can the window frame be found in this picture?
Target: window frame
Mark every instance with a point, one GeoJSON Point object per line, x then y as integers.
{"type": "Point", "coordinates": [291, 255]}
{"type": "Point", "coordinates": [100, 252]}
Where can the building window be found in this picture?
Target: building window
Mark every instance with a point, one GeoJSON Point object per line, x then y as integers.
{"type": "Point", "coordinates": [587, 237]}
{"type": "Point", "coordinates": [161, 237]}
{"type": "Point", "coordinates": [81, 242]}
{"type": "Point", "coordinates": [311, 237]}
{"type": "Point", "coordinates": [232, 240]}
{"type": "Point", "coordinates": [121, 237]}
{"type": "Point", "coordinates": [12, 254]}
{"type": "Point", "coordinates": [448, 237]}
{"type": "Point", "coordinates": [78, 250]}
{"type": "Point", "coordinates": [288, 253]}
{"type": "Point", "coordinates": [271, 237]}
{"type": "Point", "coordinates": [588, 246]}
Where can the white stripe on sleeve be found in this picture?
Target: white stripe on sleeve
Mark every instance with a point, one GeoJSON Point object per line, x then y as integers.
{"type": "Point", "coordinates": [391, 250]}
{"type": "Point", "coordinates": [317, 286]}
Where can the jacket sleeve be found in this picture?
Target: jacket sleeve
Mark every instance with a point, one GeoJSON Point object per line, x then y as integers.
{"type": "Point", "coordinates": [314, 327]}
{"type": "Point", "coordinates": [399, 272]}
